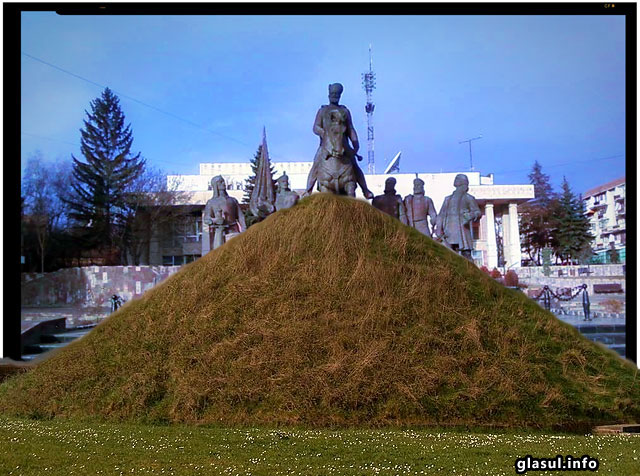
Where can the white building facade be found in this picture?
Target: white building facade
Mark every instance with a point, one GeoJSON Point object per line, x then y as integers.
{"type": "Point", "coordinates": [496, 235]}
{"type": "Point", "coordinates": [606, 208]}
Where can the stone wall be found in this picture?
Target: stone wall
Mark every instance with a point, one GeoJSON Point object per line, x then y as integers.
{"type": "Point", "coordinates": [570, 282]}
{"type": "Point", "coordinates": [595, 270]}
{"type": "Point", "coordinates": [90, 286]}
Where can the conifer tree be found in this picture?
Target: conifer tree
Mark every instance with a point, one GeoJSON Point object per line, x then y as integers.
{"type": "Point", "coordinates": [571, 237]}
{"type": "Point", "coordinates": [100, 184]}
{"type": "Point", "coordinates": [536, 216]}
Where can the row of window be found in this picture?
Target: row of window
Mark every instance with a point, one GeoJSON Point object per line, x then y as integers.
{"type": "Point", "coordinates": [230, 186]}
{"type": "Point", "coordinates": [187, 229]}
{"type": "Point", "coordinates": [178, 260]}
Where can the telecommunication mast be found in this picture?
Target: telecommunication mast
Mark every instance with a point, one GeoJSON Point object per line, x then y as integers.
{"type": "Point", "coordinates": [369, 83]}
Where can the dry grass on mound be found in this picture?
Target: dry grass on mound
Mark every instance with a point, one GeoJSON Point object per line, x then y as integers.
{"type": "Point", "coordinates": [332, 313]}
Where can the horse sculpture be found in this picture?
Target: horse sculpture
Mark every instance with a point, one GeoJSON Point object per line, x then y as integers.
{"type": "Point", "coordinates": [334, 165]}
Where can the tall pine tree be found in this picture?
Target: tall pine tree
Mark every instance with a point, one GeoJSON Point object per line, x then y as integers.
{"type": "Point", "coordinates": [100, 184]}
{"type": "Point", "coordinates": [572, 238]}
{"type": "Point", "coordinates": [536, 216]}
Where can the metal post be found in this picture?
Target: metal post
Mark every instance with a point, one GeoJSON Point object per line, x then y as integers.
{"type": "Point", "coordinates": [547, 298]}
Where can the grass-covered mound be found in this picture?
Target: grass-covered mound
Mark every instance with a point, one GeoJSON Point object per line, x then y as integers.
{"type": "Point", "coordinates": [332, 313]}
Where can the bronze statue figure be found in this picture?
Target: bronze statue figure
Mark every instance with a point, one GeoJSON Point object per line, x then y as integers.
{"type": "Point", "coordinates": [285, 197]}
{"type": "Point", "coordinates": [222, 211]}
{"type": "Point", "coordinates": [420, 208]}
{"type": "Point", "coordinates": [453, 225]}
{"type": "Point", "coordinates": [390, 203]}
{"type": "Point", "coordinates": [334, 165]}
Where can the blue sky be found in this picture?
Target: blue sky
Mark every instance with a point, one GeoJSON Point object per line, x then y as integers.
{"type": "Point", "coordinates": [546, 88]}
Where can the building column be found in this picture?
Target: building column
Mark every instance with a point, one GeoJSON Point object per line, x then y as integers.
{"type": "Point", "coordinates": [515, 253]}
{"type": "Point", "coordinates": [492, 247]}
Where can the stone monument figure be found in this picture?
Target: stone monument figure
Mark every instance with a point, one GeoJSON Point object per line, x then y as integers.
{"type": "Point", "coordinates": [334, 165]}
{"type": "Point", "coordinates": [420, 208]}
{"type": "Point", "coordinates": [218, 227]}
{"type": "Point", "coordinates": [390, 203]}
{"type": "Point", "coordinates": [263, 194]}
{"type": "Point", "coordinates": [222, 211]}
{"type": "Point", "coordinates": [285, 197]}
{"type": "Point", "coordinates": [453, 225]}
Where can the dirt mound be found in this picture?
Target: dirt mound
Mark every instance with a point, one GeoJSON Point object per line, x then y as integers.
{"type": "Point", "coordinates": [332, 313]}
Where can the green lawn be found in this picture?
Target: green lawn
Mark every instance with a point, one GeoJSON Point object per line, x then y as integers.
{"type": "Point", "coordinates": [32, 447]}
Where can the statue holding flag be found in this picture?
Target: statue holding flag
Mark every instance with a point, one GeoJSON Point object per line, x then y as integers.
{"type": "Point", "coordinates": [263, 196]}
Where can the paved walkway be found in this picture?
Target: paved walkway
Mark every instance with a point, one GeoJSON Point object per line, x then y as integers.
{"type": "Point", "coordinates": [595, 321]}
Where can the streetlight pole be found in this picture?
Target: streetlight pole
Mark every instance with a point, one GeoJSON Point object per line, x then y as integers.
{"type": "Point", "coordinates": [470, 155]}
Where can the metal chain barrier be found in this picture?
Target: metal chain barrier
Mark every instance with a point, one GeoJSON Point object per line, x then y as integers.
{"type": "Point", "coordinates": [578, 290]}
{"type": "Point", "coordinates": [546, 294]}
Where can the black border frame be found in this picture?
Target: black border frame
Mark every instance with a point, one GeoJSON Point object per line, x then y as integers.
{"type": "Point", "coordinates": [11, 90]}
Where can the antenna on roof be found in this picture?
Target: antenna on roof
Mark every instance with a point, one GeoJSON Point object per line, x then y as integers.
{"type": "Point", "coordinates": [470, 156]}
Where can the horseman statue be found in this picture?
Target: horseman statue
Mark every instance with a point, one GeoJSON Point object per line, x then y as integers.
{"type": "Point", "coordinates": [334, 165]}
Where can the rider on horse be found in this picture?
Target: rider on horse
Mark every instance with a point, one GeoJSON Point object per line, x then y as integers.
{"type": "Point", "coordinates": [334, 126]}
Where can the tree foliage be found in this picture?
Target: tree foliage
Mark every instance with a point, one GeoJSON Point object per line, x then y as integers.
{"type": "Point", "coordinates": [614, 256]}
{"type": "Point", "coordinates": [572, 239]}
{"type": "Point", "coordinates": [100, 184]}
{"type": "Point", "coordinates": [44, 213]}
{"type": "Point", "coordinates": [536, 216]}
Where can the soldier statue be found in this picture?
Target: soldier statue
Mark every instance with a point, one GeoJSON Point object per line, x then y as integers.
{"type": "Point", "coordinates": [453, 225]}
{"type": "Point", "coordinates": [222, 211]}
{"type": "Point", "coordinates": [285, 197]}
{"type": "Point", "coordinates": [420, 208]}
{"type": "Point", "coordinates": [390, 203]}
{"type": "Point", "coordinates": [334, 165]}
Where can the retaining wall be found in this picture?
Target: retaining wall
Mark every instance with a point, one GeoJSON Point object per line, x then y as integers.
{"type": "Point", "coordinates": [90, 286]}
{"type": "Point", "coordinates": [594, 271]}
{"type": "Point", "coordinates": [571, 282]}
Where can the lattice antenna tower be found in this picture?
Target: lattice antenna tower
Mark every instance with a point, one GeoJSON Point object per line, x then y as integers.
{"type": "Point", "coordinates": [369, 83]}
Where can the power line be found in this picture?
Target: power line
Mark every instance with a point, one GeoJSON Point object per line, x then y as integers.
{"type": "Point", "coordinates": [198, 126]}
{"type": "Point", "coordinates": [48, 138]}
{"type": "Point", "coordinates": [495, 172]}
{"type": "Point", "coordinates": [566, 163]}
{"type": "Point", "coordinates": [78, 145]}
{"type": "Point", "coordinates": [170, 114]}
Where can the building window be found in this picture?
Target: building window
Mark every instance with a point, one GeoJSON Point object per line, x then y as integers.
{"type": "Point", "coordinates": [185, 229]}
{"type": "Point", "coordinates": [193, 229]}
{"type": "Point", "coordinates": [477, 257]}
{"type": "Point", "coordinates": [475, 229]}
{"type": "Point", "coordinates": [171, 260]}
{"type": "Point", "coordinates": [190, 258]}
{"type": "Point", "coordinates": [178, 260]}
{"type": "Point", "coordinates": [599, 198]}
